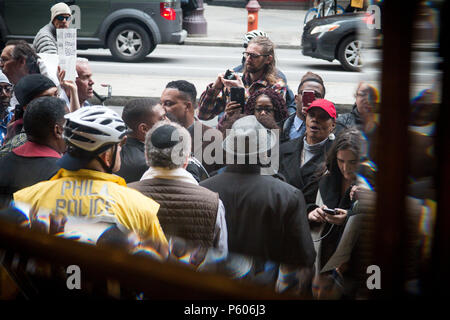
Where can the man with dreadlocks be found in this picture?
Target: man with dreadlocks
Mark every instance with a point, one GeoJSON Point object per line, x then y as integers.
{"type": "Point", "coordinates": [85, 185]}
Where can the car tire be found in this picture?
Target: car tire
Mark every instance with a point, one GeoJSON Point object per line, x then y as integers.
{"type": "Point", "coordinates": [129, 42]}
{"type": "Point", "coordinates": [349, 53]}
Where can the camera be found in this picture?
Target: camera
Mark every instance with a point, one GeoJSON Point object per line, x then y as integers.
{"type": "Point", "coordinates": [229, 75]}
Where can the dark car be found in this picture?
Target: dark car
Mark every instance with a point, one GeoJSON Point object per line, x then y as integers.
{"type": "Point", "coordinates": [131, 29]}
{"type": "Point", "coordinates": [338, 37]}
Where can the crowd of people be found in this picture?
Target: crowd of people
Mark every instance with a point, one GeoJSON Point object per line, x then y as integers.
{"type": "Point", "coordinates": [158, 173]}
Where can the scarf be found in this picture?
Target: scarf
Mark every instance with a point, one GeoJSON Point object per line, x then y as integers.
{"type": "Point", "coordinates": [309, 151]}
{"type": "Point", "coordinates": [178, 174]}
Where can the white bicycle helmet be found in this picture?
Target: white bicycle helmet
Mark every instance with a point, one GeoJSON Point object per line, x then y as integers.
{"type": "Point", "coordinates": [92, 128]}
{"type": "Point", "coordinates": [252, 34]}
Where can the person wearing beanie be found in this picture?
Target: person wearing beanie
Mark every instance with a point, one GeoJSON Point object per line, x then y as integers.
{"type": "Point", "coordinates": [45, 40]}
{"type": "Point", "coordinates": [26, 90]}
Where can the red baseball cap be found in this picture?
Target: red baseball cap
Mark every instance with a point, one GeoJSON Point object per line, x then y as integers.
{"type": "Point", "coordinates": [324, 104]}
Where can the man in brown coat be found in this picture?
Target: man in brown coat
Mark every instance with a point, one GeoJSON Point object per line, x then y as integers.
{"type": "Point", "coordinates": [187, 210]}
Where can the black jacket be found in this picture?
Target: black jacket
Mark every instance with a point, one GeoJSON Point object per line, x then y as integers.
{"type": "Point", "coordinates": [132, 158]}
{"type": "Point", "coordinates": [349, 120]}
{"type": "Point", "coordinates": [307, 177]}
{"type": "Point", "coordinates": [265, 216]}
{"type": "Point", "coordinates": [17, 172]}
{"type": "Point", "coordinates": [330, 191]}
{"type": "Point", "coordinates": [133, 163]}
{"type": "Point", "coordinates": [286, 126]}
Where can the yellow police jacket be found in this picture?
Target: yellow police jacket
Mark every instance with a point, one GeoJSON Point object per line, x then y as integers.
{"type": "Point", "coordinates": [96, 195]}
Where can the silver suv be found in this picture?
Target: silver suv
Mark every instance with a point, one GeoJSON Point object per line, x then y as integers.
{"type": "Point", "coordinates": [131, 29]}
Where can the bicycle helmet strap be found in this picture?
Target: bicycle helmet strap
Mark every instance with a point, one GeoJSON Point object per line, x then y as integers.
{"type": "Point", "coordinates": [113, 163]}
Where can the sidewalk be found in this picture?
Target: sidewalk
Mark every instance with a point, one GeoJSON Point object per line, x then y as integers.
{"type": "Point", "coordinates": [226, 26]}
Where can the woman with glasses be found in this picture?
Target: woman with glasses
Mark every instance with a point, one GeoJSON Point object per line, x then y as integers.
{"type": "Point", "coordinates": [45, 40]}
{"type": "Point", "coordinates": [266, 104]}
{"type": "Point", "coordinates": [362, 115]}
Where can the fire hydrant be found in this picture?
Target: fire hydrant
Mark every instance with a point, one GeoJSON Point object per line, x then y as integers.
{"type": "Point", "coordinates": [252, 17]}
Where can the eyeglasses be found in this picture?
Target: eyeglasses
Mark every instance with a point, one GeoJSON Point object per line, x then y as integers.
{"type": "Point", "coordinates": [4, 60]}
{"type": "Point", "coordinates": [265, 109]}
{"type": "Point", "coordinates": [6, 89]}
{"type": "Point", "coordinates": [362, 94]}
{"type": "Point", "coordinates": [253, 55]}
{"type": "Point", "coordinates": [62, 18]}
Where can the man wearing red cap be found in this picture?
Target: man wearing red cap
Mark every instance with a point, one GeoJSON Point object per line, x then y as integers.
{"type": "Point", "coordinates": [302, 159]}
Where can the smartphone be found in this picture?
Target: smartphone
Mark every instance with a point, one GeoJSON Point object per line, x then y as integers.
{"type": "Point", "coordinates": [238, 94]}
{"type": "Point", "coordinates": [330, 211]}
{"type": "Point", "coordinates": [229, 75]}
{"type": "Point", "coordinates": [308, 97]}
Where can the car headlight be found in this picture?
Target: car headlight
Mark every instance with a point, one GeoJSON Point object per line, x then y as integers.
{"type": "Point", "coordinates": [325, 28]}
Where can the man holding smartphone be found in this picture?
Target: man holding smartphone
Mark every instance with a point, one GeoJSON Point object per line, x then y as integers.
{"type": "Point", "coordinates": [259, 72]}
{"type": "Point", "coordinates": [311, 88]}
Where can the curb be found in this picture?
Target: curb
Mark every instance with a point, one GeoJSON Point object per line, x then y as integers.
{"type": "Point", "coordinates": [223, 43]}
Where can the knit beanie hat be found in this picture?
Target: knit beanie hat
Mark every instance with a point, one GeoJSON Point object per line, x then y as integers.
{"type": "Point", "coordinates": [60, 8]}
{"type": "Point", "coordinates": [30, 86]}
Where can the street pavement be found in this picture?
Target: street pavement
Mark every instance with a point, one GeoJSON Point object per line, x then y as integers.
{"type": "Point", "coordinates": [226, 27]}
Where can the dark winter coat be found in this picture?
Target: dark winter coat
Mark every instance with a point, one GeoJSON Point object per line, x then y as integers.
{"type": "Point", "coordinates": [266, 217]}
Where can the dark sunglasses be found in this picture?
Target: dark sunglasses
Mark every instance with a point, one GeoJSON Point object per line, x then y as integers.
{"type": "Point", "coordinates": [62, 18]}
{"type": "Point", "coordinates": [253, 55]}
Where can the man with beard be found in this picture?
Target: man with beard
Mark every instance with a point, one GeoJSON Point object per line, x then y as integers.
{"type": "Point", "coordinates": [259, 72]}
{"type": "Point", "coordinates": [45, 40]}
